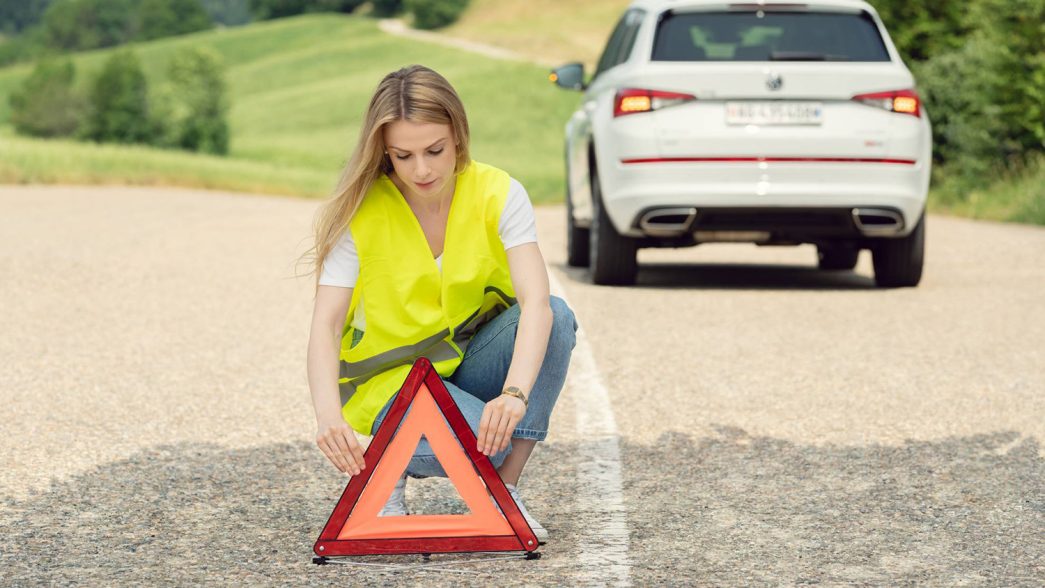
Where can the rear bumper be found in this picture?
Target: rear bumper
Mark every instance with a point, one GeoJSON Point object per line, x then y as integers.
{"type": "Point", "coordinates": [769, 224]}
{"type": "Point", "coordinates": [789, 197]}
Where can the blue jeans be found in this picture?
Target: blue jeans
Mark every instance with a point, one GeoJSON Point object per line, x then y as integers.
{"type": "Point", "coordinates": [480, 378]}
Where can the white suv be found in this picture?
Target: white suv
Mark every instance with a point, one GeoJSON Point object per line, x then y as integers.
{"type": "Point", "coordinates": [777, 123]}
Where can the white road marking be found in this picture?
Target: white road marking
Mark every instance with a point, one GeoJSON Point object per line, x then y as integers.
{"type": "Point", "coordinates": [604, 548]}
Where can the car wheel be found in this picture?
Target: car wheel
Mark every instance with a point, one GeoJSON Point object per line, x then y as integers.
{"type": "Point", "coordinates": [577, 239]}
{"type": "Point", "coordinates": [898, 262]}
{"type": "Point", "coordinates": [612, 255]}
{"type": "Point", "coordinates": [836, 257]}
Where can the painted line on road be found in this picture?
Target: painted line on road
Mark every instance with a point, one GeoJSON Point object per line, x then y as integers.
{"type": "Point", "coordinates": [600, 501]}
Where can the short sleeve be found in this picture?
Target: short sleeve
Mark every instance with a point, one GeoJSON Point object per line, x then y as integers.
{"type": "Point", "coordinates": [517, 225]}
{"type": "Point", "coordinates": [341, 266]}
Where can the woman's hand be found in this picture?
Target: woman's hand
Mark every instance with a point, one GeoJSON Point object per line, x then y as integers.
{"type": "Point", "coordinates": [500, 416]}
{"type": "Point", "coordinates": [338, 442]}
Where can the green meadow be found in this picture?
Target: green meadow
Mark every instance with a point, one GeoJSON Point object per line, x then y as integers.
{"type": "Point", "coordinates": [298, 88]}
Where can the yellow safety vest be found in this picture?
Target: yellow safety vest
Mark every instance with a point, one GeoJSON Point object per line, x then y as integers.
{"type": "Point", "coordinates": [412, 309]}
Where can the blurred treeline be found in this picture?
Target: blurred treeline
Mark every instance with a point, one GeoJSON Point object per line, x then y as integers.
{"type": "Point", "coordinates": [980, 70]}
{"type": "Point", "coordinates": [31, 29]}
{"type": "Point", "coordinates": [187, 111]}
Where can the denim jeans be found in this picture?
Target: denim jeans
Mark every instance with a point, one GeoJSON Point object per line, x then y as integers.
{"type": "Point", "coordinates": [480, 378]}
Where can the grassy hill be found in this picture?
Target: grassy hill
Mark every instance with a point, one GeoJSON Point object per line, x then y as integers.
{"type": "Point", "coordinates": [554, 31]}
{"type": "Point", "coordinates": [298, 88]}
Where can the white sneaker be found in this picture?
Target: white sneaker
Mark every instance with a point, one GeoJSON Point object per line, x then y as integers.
{"type": "Point", "coordinates": [538, 530]}
{"type": "Point", "coordinates": [396, 504]}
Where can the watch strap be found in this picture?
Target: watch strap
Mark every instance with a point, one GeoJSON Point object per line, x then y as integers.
{"type": "Point", "coordinates": [516, 392]}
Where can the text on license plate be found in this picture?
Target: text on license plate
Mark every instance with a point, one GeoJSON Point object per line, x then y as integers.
{"type": "Point", "coordinates": [774, 113]}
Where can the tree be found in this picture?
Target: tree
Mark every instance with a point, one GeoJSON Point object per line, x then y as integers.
{"type": "Point", "coordinates": [387, 7]}
{"type": "Point", "coordinates": [45, 105]}
{"type": "Point", "coordinates": [192, 106]}
{"type": "Point", "coordinates": [88, 24]}
{"type": "Point", "coordinates": [433, 14]}
{"type": "Point", "coordinates": [118, 108]}
{"type": "Point", "coordinates": [268, 9]}
{"type": "Point", "coordinates": [17, 15]}
{"type": "Point", "coordinates": [228, 12]}
{"type": "Point", "coordinates": [924, 28]}
{"type": "Point", "coordinates": [165, 18]}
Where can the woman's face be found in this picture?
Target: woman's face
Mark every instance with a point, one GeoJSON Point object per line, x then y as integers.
{"type": "Point", "coordinates": [423, 156]}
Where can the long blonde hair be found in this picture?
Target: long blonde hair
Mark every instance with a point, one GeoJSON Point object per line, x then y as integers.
{"type": "Point", "coordinates": [415, 93]}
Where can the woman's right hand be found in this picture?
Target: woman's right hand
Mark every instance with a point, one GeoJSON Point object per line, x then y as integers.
{"type": "Point", "coordinates": [338, 442]}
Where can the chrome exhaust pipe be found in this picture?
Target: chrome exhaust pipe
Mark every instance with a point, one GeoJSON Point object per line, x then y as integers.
{"type": "Point", "coordinates": [667, 222]}
{"type": "Point", "coordinates": [877, 221]}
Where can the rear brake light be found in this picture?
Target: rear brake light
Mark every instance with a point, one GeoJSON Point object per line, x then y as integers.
{"type": "Point", "coordinates": [901, 101]}
{"type": "Point", "coordinates": [633, 100]}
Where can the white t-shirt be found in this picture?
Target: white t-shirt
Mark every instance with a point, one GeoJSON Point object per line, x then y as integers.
{"type": "Point", "coordinates": [517, 226]}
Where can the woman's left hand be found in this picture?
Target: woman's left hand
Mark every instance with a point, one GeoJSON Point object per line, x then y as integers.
{"type": "Point", "coordinates": [500, 416]}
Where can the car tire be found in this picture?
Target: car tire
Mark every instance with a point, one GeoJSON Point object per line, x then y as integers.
{"type": "Point", "coordinates": [578, 240]}
{"type": "Point", "coordinates": [898, 262]}
{"type": "Point", "coordinates": [837, 257]}
{"type": "Point", "coordinates": [613, 257]}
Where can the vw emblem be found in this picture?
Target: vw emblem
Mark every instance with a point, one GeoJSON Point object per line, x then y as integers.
{"type": "Point", "coordinates": [774, 81]}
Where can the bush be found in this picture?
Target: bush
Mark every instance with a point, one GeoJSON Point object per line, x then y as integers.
{"type": "Point", "coordinates": [228, 12]}
{"type": "Point", "coordinates": [164, 18]}
{"type": "Point", "coordinates": [268, 9]}
{"type": "Point", "coordinates": [18, 15]}
{"type": "Point", "coordinates": [986, 98]}
{"type": "Point", "coordinates": [118, 109]}
{"type": "Point", "coordinates": [344, 6]}
{"type": "Point", "coordinates": [24, 47]}
{"type": "Point", "coordinates": [921, 29]}
{"type": "Point", "coordinates": [433, 14]}
{"type": "Point", "coordinates": [192, 106]}
{"type": "Point", "coordinates": [45, 105]}
{"type": "Point", "coordinates": [88, 24]}
{"type": "Point", "coordinates": [386, 7]}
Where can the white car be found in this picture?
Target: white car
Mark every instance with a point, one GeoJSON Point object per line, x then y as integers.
{"type": "Point", "coordinates": [777, 123]}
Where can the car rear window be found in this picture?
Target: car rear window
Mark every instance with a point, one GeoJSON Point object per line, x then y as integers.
{"type": "Point", "coordinates": [768, 36]}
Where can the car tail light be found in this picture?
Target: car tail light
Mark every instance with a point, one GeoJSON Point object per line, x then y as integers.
{"type": "Point", "coordinates": [901, 101]}
{"type": "Point", "coordinates": [634, 101]}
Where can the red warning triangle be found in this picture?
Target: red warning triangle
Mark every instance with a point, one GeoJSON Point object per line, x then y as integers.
{"type": "Point", "coordinates": [354, 527]}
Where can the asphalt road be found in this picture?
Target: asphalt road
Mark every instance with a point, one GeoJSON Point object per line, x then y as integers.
{"type": "Point", "coordinates": [736, 418]}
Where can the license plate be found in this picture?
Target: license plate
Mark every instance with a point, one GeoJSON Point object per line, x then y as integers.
{"type": "Point", "coordinates": [774, 113]}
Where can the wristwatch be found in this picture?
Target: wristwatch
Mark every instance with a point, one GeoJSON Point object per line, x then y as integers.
{"type": "Point", "coordinates": [516, 392]}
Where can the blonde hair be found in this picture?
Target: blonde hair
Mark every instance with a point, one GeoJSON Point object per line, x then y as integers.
{"type": "Point", "coordinates": [415, 93]}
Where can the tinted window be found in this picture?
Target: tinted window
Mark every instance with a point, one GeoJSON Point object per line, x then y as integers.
{"type": "Point", "coordinates": [609, 54]}
{"type": "Point", "coordinates": [621, 41]}
{"type": "Point", "coordinates": [775, 36]}
{"type": "Point", "coordinates": [632, 20]}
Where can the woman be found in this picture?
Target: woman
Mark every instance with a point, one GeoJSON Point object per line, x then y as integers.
{"type": "Point", "coordinates": [443, 251]}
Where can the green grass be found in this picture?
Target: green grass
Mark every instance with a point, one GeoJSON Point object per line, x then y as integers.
{"type": "Point", "coordinates": [556, 31]}
{"type": "Point", "coordinates": [298, 89]}
{"type": "Point", "coordinates": [1016, 197]}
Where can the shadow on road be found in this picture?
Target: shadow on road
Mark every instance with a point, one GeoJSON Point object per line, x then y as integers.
{"type": "Point", "coordinates": [719, 276]}
{"type": "Point", "coordinates": [728, 510]}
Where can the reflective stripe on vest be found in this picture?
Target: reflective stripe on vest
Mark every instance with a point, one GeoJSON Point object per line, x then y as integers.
{"type": "Point", "coordinates": [435, 348]}
{"type": "Point", "coordinates": [414, 307]}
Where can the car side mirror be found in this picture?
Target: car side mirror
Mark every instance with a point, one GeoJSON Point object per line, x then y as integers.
{"type": "Point", "coordinates": [569, 76]}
